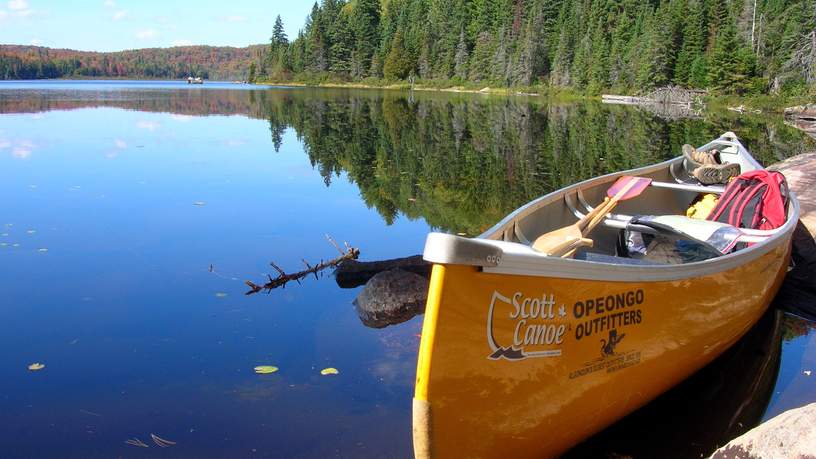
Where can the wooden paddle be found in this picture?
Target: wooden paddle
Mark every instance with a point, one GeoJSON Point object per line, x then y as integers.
{"type": "Point", "coordinates": [565, 241]}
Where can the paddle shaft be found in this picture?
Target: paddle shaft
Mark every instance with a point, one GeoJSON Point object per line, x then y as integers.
{"type": "Point", "coordinates": [607, 206]}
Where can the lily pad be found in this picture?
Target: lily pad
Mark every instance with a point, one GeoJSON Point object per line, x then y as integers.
{"type": "Point", "coordinates": [265, 369]}
{"type": "Point", "coordinates": [329, 371]}
{"type": "Point", "coordinates": [36, 366]}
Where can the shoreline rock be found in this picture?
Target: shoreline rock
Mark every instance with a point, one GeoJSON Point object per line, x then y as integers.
{"type": "Point", "coordinates": [789, 435]}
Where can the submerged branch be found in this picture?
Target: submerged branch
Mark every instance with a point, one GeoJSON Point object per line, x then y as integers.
{"type": "Point", "coordinates": [283, 278]}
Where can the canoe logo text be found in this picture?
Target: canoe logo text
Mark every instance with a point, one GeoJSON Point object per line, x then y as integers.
{"type": "Point", "coordinates": [536, 329]}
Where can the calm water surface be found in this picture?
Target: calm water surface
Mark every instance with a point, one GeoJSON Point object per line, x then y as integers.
{"type": "Point", "coordinates": [131, 213]}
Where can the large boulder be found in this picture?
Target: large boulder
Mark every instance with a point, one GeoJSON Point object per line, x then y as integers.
{"type": "Point", "coordinates": [391, 297]}
{"type": "Point", "coordinates": [800, 171]}
{"type": "Point", "coordinates": [802, 117]}
{"type": "Point", "coordinates": [798, 293]}
{"type": "Point", "coordinates": [792, 434]}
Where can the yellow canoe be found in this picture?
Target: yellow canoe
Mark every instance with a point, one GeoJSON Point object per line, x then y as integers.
{"type": "Point", "coordinates": [525, 355]}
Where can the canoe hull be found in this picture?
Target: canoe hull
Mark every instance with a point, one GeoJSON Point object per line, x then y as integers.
{"type": "Point", "coordinates": [529, 365]}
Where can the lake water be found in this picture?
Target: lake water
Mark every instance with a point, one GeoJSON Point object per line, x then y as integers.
{"type": "Point", "coordinates": [131, 214]}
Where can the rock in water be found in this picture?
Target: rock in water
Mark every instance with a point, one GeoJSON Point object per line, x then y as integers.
{"type": "Point", "coordinates": [391, 297]}
{"type": "Point", "coordinates": [798, 293]}
{"type": "Point", "coordinates": [802, 117]}
{"type": "Point", "coordinates": [791, 434]}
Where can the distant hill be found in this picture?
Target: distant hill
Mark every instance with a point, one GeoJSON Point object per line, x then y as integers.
{"type": "Point", "coordinates": [209, 62]}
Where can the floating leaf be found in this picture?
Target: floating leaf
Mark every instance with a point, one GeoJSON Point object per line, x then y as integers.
{"type": "Point", "coordinates": [265, 369]}
{"type": "Point", "coordinates": [136, 442]}
{"type": "Point", "coordinates": [161, 442]}
{"type": "Point", "coordinates": [36, 366]}
{"type": "Point", "coordinates": [329, 371]}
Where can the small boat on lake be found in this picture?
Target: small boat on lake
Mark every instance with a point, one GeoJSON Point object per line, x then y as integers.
{"type": "Point", "coordinates": [525, 354]}
{"type": "Point", "coordinates": [196, 80]}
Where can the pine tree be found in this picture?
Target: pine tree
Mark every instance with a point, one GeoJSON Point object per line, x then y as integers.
{"type": "Point", "coordinates": [251, 77]}
{"type": "Point", "coordinates": [693, 45]}
{"type": "Point", "coordinates": [365, 20]}
{"type": "Point", "coordinates": [342, 40]}
{"type": "Point", "coordinates": [481, 58]}
{"type": "Point", "coordinates": [461, 58]}
{"type": "Point", "coordinates": [732, 65]}
{"type": "Point", "coordinates": [279, 37]}
{"type": "Point", "coordinates": [398, 64]}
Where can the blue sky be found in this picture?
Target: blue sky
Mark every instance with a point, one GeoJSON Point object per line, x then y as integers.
{"type": "Point", "coordinates": [112, 25]}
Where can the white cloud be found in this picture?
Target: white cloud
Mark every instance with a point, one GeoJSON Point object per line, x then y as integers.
{"type": "Point", "coordinates": [181, 43]}
{"type": "Point", "coordinates": [18, 5]}
{"type": "Point", "coordinates": [22, 149]}
{"type": "Point", "coordinates": [3, 15]}
{"type": "Point", "coordinates": [119, 15]}
{"type": "Point", "coordinates": [235, 18]}
{"type": "Point", "coordinates": [120, 144]}
{"type": "Point", "coordinates": [109, 3]}
{"type": "Point", "coordinates": [149, 125]}
{"type": "Point", "coordinates": [4, 144]}
{"type": "Point", "coordinates": [36, 41]}
{"type": "Point", "coordinates": [20, 8]}
{"type": "Point", "coordinates": [234, 142]}
{"type": "Point", "coordinates": [147, 34]}
{"type": "Point", "coordinates": [182, 118]}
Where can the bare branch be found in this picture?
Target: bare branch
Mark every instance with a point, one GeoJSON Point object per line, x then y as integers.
{"type": "Point", "coordinates": [350, 254]}
{"type": "Point", "coordinates": [334, 243]}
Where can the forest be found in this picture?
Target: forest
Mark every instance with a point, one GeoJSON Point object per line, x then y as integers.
{"type": "Point", "coordinates": [626, 46]}
{"type": "Point", "coordinates": [208, 62]}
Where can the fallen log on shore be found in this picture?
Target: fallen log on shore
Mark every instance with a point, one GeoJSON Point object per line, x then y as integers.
{"type": "Point", "coordinates": [355, 273]}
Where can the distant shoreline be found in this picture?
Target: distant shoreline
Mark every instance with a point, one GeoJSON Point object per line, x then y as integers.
{"type": "Point", "coordinates": [764, 103]}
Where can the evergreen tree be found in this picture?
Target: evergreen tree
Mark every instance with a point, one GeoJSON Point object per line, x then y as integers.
{"type": "Point", "coordinates": [251, 77]}
{"type": "Point", "coordinates": [365, 20]}
{"type": "Point", "coordinates": [732, 64]}
{"type": "Point", "coordinates": [460, 65]}
{"type": "Point", "coordinates": [279, 37]}
{"type": "Point", "coordinates": [398, 64]}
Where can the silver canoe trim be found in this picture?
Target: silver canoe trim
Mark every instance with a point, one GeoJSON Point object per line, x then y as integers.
{"type": "Point", "coordinates": [502, 257]}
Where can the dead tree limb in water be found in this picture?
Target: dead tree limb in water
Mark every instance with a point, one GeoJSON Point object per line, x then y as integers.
{"type": "Point", "coordinates": [350, 253]}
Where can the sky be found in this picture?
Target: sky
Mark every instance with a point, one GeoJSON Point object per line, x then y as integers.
{"type": "Point", "coordinates": [113, 25]}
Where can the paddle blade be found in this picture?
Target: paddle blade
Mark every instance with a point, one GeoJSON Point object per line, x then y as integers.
{"type": "Point", "coordinates": [628, 187]}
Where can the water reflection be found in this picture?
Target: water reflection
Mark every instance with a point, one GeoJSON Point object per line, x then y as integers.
{"type": "Point", "coordinates": [458, 162]}
{"type": "Point", "coordinates": [723, 400]}
{"type": "Point", "coordinates": [136, 193]}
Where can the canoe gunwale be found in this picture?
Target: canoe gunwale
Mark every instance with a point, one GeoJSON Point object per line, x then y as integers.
{"type": "Point", "coordinates": [493, 255]}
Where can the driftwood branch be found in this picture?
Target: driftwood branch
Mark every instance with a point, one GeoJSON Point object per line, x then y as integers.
{"type": "Point", "coordinates": [350, 253]}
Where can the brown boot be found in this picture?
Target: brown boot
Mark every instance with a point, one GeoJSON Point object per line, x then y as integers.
{"type": "Point", "coordinates": [699, 158]}
{"type": "Point", "coordinates": [710, 174]}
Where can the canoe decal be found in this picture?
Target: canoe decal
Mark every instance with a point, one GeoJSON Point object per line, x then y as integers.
{"type": "Point", "coordinates": [609, 360]}
{"type": "Point", "coordinates": [537, 328]}
{"type": "Point", "coordinates": [597, 315]}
